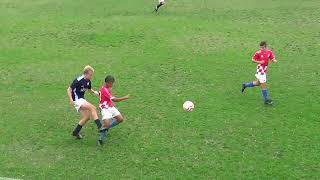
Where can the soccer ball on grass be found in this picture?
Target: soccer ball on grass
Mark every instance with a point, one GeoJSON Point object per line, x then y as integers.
{"type": "Point", "coordinates": [188, 106]}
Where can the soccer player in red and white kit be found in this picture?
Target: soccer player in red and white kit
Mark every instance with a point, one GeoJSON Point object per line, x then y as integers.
{"type": "Point", "coordinates": [110, 114]}
{"type": "Point", "coordinates": [262, 58]}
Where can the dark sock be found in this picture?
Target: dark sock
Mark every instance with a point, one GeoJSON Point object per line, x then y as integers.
{"type": "Point", "coordinates": [250, 84]}
{"type": "Point", "coordinates": [114, 123]}
{"type": "Point", "coordinates": [103, 134]}
{"type": "Point", "coordinates": [77, 129]}
{"type": "Point", "coordinates": [159, 5]}
{"type": "Point", "coordinates": [98, 123]}
{"type": "Point", "coordinates": [265, 94]}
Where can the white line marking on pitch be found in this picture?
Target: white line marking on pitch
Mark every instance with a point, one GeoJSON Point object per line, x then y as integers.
{"type": "Point", "coordinates": [4, 178]}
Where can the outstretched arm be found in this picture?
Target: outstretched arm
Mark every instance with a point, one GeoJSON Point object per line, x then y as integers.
{"type": "Point", "coordinates": [94, 92]}
{"type": "Point", "coordinates": [115, 99]}
{"type": "Point", "coordinates": [274, 60]}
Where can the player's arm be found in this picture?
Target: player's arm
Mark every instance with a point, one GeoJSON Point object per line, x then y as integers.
{"type": "Point", "coordinates": [69, 90]}
{"type": "Point", "coordinates": [273, 58]}
{"type": "Point", "coordinates": [115, 99]}
{"type": "Point", "coordinates": [257, 61]}
{"type": "Point", "coordinates": [94, 92]}
{"type": "Point", "coordinates": [69, 93]}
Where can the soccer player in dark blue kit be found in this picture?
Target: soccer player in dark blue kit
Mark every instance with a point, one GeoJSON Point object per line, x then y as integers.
{"type": "Point", "coordinates": [76, 93]}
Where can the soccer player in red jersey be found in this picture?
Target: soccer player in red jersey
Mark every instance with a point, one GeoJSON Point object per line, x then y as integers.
{"type": "Point", "coordinates": [110, 114]}
{"type": "Point", "coordinates": [262, 58]}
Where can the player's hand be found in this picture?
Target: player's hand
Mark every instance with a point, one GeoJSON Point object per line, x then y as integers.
{"type": "Point", "coordinates": [127, 96]}
{"type": "Point", "coordinates": [96, 93]}
{"type": "Point", "coordinates": [275, 61]}
{"type": "Point", "coordinates": [72, 104]}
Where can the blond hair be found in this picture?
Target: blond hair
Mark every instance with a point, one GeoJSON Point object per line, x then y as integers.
{"type": "Point", "coordinates": [87, 68]}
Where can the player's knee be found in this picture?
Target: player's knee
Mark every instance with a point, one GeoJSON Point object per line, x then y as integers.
{"type": "Point", "coordinates": [263, 85]}
{"type": "Point", "coordinates": [107, 122]}
{"type": "Point", "coordinates": [120, 119]}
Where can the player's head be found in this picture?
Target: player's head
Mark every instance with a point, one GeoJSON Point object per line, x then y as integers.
{"type": "Point", "coordinates": [109, 80]}
{"type": "Point", "coordinates": [263, 45]}
{"type": "Point", "coordinates": [88, 72]}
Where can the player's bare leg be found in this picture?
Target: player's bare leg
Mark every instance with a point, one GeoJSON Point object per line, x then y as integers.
{"type": "Point", "coordinates": [85, 117]}
{"type": "Point", "coordinates": [86, 110]}
{"type": "Point", "coordinates": [107, 123]}
{"type": "Point", "coordinates": [94, 115]}
{"type": "Point", "coordinates": [102, 130]}
{"type": "Point", "coordinates": [91, 108]}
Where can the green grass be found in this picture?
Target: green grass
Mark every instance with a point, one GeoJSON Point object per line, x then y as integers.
{"type": "Point", "coordinates": [195, 50]}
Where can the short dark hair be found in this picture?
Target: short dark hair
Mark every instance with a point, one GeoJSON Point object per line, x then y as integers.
{"type": "Point", "coordinates": [263, 43]}
{"type": "Point", "coordinates": [109, 79]}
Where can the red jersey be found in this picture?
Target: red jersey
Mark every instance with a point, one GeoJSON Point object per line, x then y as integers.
{"type": "Point", "coordinates": [105, 98]}
{"type": "Point", "coordinates": [263, 56]}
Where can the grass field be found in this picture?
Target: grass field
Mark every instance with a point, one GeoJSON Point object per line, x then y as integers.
{"type": "Point", "coordinates": [197, 50]}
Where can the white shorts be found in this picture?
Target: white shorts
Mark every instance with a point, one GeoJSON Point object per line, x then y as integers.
{"type": "Point", "coordinates": [261, 78]}
{"type": "Point", "coordinates": [161, 1]}
{"type": "Point", "coordinates": [78, 103]}
{"type": "Point", "coordinates": [109, 113]}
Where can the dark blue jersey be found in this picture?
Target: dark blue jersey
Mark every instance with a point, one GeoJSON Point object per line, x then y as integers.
{"type": "Point", "coordinates": [79, 87]}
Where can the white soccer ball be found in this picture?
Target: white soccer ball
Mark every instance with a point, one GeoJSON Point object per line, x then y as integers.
{"type": "Point", "coordinates": [188, 106]}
